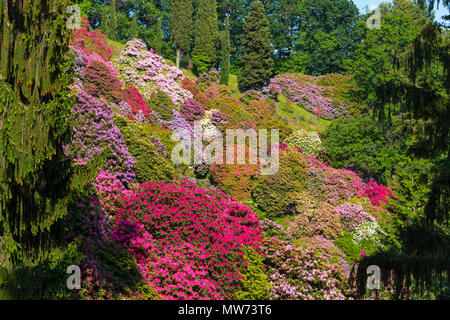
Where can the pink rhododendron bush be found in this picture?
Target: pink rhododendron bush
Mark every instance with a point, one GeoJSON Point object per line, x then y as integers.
{"type": "Point", "coordinates": [149, 72]}
{"type": "Point", "coordinates": [306, 92]}
{"type": "Point", "coordinates": [312, 269]}
{"type": "Point", "coordinates": [188, 241]}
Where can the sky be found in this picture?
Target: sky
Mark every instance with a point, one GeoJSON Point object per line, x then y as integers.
{"type": "Point", "coordinates": [361, 4]}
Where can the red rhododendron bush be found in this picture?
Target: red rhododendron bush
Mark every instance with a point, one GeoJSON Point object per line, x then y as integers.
{"type": "Point", "coordinates": [188, 241]}
{"type": "Point", "coordinates": [91, 41]}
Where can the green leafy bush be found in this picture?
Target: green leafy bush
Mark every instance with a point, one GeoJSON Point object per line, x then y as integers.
{"type": "Point", "coordinates": [255, 283]}
{"type": "Point", "coordinates": [368, 147]}
{"type": "Point", "coordinates": [161, 103]}
{"type": "Point", "coordinates": [272, 193]}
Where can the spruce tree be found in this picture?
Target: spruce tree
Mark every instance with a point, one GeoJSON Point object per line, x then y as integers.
{"type": "Point", "coordinates": [134, 32]}
{"type": "Point", "coordinates": [225, 55]}
{"type": "Point", "coordinates": [36, 178]}
{"type": "Point", "coordinates": [206, 32]}
{"type": "Point", "coordinates": [158, 37]}
{"type": "Point", "coordinates": [257, 50]}
{"type": "Point", "coordinates": [181, 27]}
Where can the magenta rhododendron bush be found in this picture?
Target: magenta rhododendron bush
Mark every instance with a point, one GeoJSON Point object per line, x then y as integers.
{"type": "Point", "coordinates": [187, 241]}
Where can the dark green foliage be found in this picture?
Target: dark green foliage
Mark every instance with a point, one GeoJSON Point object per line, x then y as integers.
{"type": "Point", "coordinates": [328, 35]}
{"type": "Point", "coordinates": [225, 55]}
{"type": "Point", "coordinates": [206, 30]}
{"type": "Point", "coordinates": [36, 178]}
{"type": "Point", "coordinates": [366, 146]}
{"type": "Point", "coordinates": [273, 193]}
{"type": "Point", "coordinates": [256, 48]}
{"type": "Point", "coordinates": [161, 103]}
{"type": "Point", "coordinates": [181, 26]}
{"type": "Point", "coordinates": [150, 164]}
{"type": "Point", "coordinates": [255, 285]}
{"type": "Point", "coordinates": [423, 92]}
{"type": "Point", "coordinates": [353, 250]}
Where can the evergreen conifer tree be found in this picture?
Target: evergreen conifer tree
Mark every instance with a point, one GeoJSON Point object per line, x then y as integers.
{"type": "Point", "coordinates": [257, 50]}
{"type": "Point", "coordinates": [225, 55]}
{"type": "Point", "coordinates": [181, 27]}
{"type": "Point", "coordinates": [206, 32]}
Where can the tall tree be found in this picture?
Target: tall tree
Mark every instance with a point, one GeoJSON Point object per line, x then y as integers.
{"type": "Point", "coordinates": [257, 50]}
{"type": "Point", "coordinates": [421, 259]}
{"type": "Point", "coordinates": [206, 32]}
{"type": "Point", "coordinates": [134, 32]}
{"type": "Point", "coordinates": [225, 54]}
{"type": "Point", "coordinates": [327, 35]}
{"type": "Point", "coordinates": [181, 27]}
{"type": "Point", "coordinates": [36, 178]}
{"type": "Point", "coordinates": [113, 24]}
{"type": "Point", "coordinates": [158, 38]}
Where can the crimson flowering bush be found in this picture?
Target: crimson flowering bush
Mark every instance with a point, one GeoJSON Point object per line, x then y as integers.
{"type": "Point", "coordinates": [188, 241]}
{"type": "Point", "coordinates": [331, 185]}
{"type": "Point", "coordinates": [136, 102]}
{"type": "Point", "coordinates": [377, 194]}
{"type": "Point", "coordinates": [150, 73]}
{"type": "Point", "coordinates": [90, 42]}
{"type": "Point", "coordinates": [96, 134]}
{"type": "Point", "coordinates": [192, 110]}
{"type": "Point", "coordinates": [352, 215]}
{"type": "Point", "coordinates": [102, 80]}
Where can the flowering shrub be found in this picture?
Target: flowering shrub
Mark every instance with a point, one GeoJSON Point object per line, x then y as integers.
{"type": "Point", "coordinates": [206, 79]}
{"type": "Point", "coordinates": [149, 72]}
{"type": "Point", "coordinates": [229, 106]}
{"type": "Point", "coordinates": [235, 179]}
{"type": "Point", "coordinates": [262, 111]}
{"type": "Point", "coordinates": [369, 231]}
{"type": "Point", "coordinates": [309, 141]}
{"type": "Point", "coordinates": [321, 221]}
{"type": "Point", "coordinates": [250, 95]}
{"type": "Point", "coordinates": [377, 194]}
{"type": "Point", "coordinates": [352, 215]}
{"type": "Point", "coordinates": [313, 270]}
{"type": "Point", "coordinates": [107, 270]}
{"type": "Point", "coordinates": [136, 102]}
{"type": "Point", "coordinates": [90, 42]}
{"type": "Point", "coordinates": [304, 91]}
{"type": "Point", "coordinates": [110, 191]}
{"type": "Point", "coordinates": [192, 110]}
{"type": "Point", "coordinates": [188, 241]}
{"type": "Point", "coordinates": [331, 185]}
{"type": "Point", "coordinates": [95, 134]}
{"type": "Point", "coordinates": [101, 80]}
{"type": "Point", "coordinates": [274, 230]}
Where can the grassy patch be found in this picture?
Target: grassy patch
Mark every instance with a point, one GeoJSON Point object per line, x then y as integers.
{"type": "Point", "coordinates": [117, 48]}
{"type": "Point", "coordinates": [233, 85]}
{"type": "Point", "coordinates": [299, 118]}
